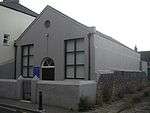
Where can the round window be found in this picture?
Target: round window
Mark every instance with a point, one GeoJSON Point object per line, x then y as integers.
{"type": "Point", "coordinates": [47, 23]}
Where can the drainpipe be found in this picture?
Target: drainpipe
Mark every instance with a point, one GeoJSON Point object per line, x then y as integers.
{"type": "Point", "coordinates": [89, 58]}
{"type": "Point", "coordinates": [90, 35]}
{"type": "Point", "coordinates": [15, 76]}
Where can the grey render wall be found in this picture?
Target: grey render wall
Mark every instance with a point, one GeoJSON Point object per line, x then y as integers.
{"type": "Point", "coordinates": [7, 70]}
{"type": "Point", "coordinates": [64, 94]}
{"type": "Point", "coordinates": [61, 28]}
{"type": "Point", "coordinates": [110, 55]}
{"type": "Point", "coordinates": [10, 89]}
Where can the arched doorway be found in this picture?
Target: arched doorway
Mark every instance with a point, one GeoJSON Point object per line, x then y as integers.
{"type": "Point", "coordinates": [48, 69]}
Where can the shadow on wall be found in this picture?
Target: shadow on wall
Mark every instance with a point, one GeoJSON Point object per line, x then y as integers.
{"type": "Point", "coordinates": [7, 71]}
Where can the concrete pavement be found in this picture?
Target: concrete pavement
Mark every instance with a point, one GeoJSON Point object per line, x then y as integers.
{"type": "Point", "coordinates": [28, 106]}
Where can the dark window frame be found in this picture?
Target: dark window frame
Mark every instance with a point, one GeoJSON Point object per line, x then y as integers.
{"type": "Point", "coordinates": [75, 51]}
{"type": "Point", "coordinates": [28, 66]}
{"type": "Point", "coordinates": [6, 39]}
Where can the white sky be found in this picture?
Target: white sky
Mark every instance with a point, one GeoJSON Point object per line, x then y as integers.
{"type": "Point", "coordinates": [128, 21]}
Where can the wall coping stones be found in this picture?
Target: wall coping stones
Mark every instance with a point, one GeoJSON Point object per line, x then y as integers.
{"type": "Point", "coordinates": [66, 82]}
{"type": "Point", "coordinates": [8, 80]}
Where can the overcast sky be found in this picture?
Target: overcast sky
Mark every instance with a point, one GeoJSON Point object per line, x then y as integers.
{"type": "Point", "coordinates": [128, 21]}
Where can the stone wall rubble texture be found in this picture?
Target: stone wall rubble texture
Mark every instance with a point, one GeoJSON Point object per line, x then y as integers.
{"type": "Point", "coordinates": [114, 85]}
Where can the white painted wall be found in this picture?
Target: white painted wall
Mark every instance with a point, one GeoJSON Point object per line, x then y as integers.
{"type": "Point", "coordinates": [144, 67]}
{"type": "Point", "coordinates": [112, 56]}
{"type": "Point", "coordinates": [14, 23]}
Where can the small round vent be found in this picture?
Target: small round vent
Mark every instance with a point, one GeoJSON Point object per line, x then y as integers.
{"type": "Point", "coordinates": [47, 23]}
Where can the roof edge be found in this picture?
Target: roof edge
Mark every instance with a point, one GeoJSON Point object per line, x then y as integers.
{"type": "Point", "coordinates": [28, 28]}
{"type": "Point", "coordinates": [71, 19]}
{"type": "Point", "coordinates": [36, 14]}
{"type": "Point", "coordinates": [113, 40]}
{"type": "Point", "coordinates": [89, 29]}
{"type": "Point", "coordinates": [142, 51]}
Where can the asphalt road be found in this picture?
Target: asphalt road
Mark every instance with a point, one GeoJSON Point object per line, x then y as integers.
{"type": "Point", "coordinates": [12, 110]}
{"type": "Point", "coordinates": [7, 110]}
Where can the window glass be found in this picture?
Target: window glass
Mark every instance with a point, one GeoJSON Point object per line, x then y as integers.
{"type": "Point", "coordinates": [6, 39]}
{"type": "Point", "coordinates": [25, 50]}
{"type": "Point", "coordinates": [48, 62]}
{"type": "Point", "coordinates": [70, 58]}
{"type": "Point", "coordinates": [80, 72]}
{"type": "Point", "coordinates": [80, 45]}
{"type": "Point", "coordinates": [31, 60]}
{"type": "Point", "coordinates": [31, 50]}
{"type": "Point", "coordinates": [25, 61]}
{"type": "Point", "coordinates": [74, 51]}
{"type": "Point", "coordinates": [80, 58]}
{"type": "Point", "coordinates": [25, 71]}
{"type": "Point", "coordinates": [70, 72]}
{"type": "Point", "coordinates": [70, 45]}
{"type": "Point", "coordinates": [30, 71]}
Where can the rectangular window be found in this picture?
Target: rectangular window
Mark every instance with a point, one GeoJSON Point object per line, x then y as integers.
{"type": "Point", "coordinates": [74, 58]}
{"type": "Point", "coordinates": [27, 61]}
{"type": "Point", "coordinates": [148, 63]}
{"type": "Point", "coordinates": [6, 39]}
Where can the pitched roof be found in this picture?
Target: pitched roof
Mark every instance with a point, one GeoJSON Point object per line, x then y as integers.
{"type": "Point", "coordinates": [145, 55]}
{"type": "Point", "coordinates": [56, 11]}
{"type": "Point", "coordinates": [76, 22]}
{"type": "Point", "coordinates": [18, 7]}
{"type": "Point", "coordinates": [113, 40]}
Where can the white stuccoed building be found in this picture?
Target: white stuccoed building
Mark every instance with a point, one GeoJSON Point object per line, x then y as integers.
{"type": "Point", "coordinates": [14, 19]}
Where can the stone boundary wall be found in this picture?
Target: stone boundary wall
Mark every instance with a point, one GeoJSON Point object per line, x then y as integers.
{"type": "Point", "coordinates": [10, 88]}
{"type": "Point", "coordinates": [65, 94]}
{"type": "Point", "coordinates": [114, 85]}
